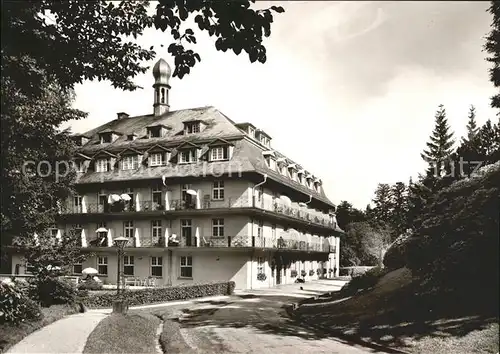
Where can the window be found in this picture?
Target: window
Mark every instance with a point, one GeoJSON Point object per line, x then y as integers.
{"type": "Point", "coordinates": [219, 153]}
{"type": "Point", "coordinates": [186, 232]}
{"type": "Point", "coordinates": [128, 265]}
{"type": "Point", "coordinates": [317, 187]}
{"type": "Point", "coordinates": [273, 230]}
{"type": "Point", "coordinates": [260, 265]}
{"type": "Point", "coordinates": [128, 227]}
{"type": "Point", "coordinates": [186, 267]}
{"type": "Point", "coordinates": [260, 226]}
{"type": "Point", "coordinates": [251, 132]}
{"type": "Point", "coordinates": [260, 192]}
{"type": "Point", "coordinates": [301, 178]}
{"type": "Point", "coordinates": [130, 162]}
{"type": "Point", "coordinates": [102, 165]}
{"type": "Point", "coordinates": [191, 128]}
{"type": "Point", "coordinates": [102, 265]}
{"type": "Point", "coordinates": [218, 227]}
{"type": "Point", "coordinates": [154, 132]}
{"type": "Point", "coordinates": [131, 137]}
{"type": "Point", "coordinates": [102, 235]}
{"type": "Point", "coordinates": [156, 159]}
{"type": "Point", "coordinates": [188, 156]}
{"type": "Point", "coordinates": [156, 266]}
{"type": "Point", "coordinates": [156, 229]}
{"type": "Point", "coordinates": [54, 232]}
{"type": "Point", "coordinates": [157, 197]}
{"type": "Point", "coordinates": [281, 169]}
{"type": "Point", "coordinates": [29, 269]}
{"type": "Point", "coordinates": [77, 268]}
{"type": "Point", "coordinates": [308, 182]}
{"type": "Point", "coordinates": [80, 166]}
{"type": "Point", "coordinates": [218, 190]}
{"type": "Point", "coordinates": [106, 138]}
{"type": "Point", "coordinates": [77, 204]}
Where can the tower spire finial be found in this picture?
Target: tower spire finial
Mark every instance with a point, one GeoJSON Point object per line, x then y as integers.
{"type": "Point", "coordinates": [162, 74]}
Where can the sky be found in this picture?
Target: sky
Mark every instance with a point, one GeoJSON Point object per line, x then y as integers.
{"type": "Point", "coordinates": [349, 89]}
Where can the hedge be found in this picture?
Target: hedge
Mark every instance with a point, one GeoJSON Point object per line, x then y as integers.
{"type": "Point", "coordinates": [354, 271]}
{"type": "Point", "coordinates": [157, 295]}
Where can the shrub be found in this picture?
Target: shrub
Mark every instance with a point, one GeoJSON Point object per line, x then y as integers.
{"type": "Point", "coordinates": [90, 285]}
{"type": "Point", "coordinates": [261, 277]}
{"type": "Point", "coordinates": [395, 257]}
{"type": "Point", "coordinates": [155, 295]}
{"type": "Point", "coordinates": [15, 306]}
{"type": "Point", "coordinates": [53, 291]}
{"type": "Point", "coordinates": [364, 281]}
{"type": "Point", "coordinates": [303, 273]}
{"type": "Point", "coordinates": [311, 272]}
{"type": "Point", "coordinates": [293, 273]}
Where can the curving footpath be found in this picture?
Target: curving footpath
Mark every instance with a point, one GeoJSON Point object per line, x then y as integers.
{"type": "Point", "coordinates": [69, 335]}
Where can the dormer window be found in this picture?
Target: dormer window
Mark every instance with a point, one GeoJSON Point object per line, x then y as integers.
{"type": "Point", "coordinates": [80, 140]}
{"type": "Point", "coordinates": [251, 132]}
{"type": "Point", "coordinates": [131, 137]}
{"type": "Point", "coordinates": [188, 156]}
{"type": "Point", "coordinates": [80, 166]}
{"type": "Point", "coordinates": [219, 153]}
{"type": "Point", "coordinates": [130, 162]}
{"type": "Point", "coordinates": [106, 138]}
{"type": "Point", "coordinates": [102, 165]}
{"type": "Point", "coordinates": [192, 127]}
{"type": "Point", "coordinates": [156, 159]}
{"type": "Point", "coordinates": [154, 132]}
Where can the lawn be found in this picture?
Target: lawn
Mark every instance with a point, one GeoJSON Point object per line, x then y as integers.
{"type": "Point", "coordinates": [131, 333]}
{"type": "Point", "coordinates": [11, 334]}
{"type": "Point", "coordinates": [392, 315]}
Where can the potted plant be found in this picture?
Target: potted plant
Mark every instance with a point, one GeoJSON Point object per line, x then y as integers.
{"type": "Point", "coordinates": [303, 273]}
{"type": "Point", "coordinates": [293, 273]}
{"type": "Point", "coordinates": [318, 271]}
{"type": "Point", "coordinates": [261, 277]}
{"type": "Point", "coordinates": [311, 273]}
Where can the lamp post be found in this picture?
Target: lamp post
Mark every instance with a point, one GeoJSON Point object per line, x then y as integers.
{"type": "Point", "coordinates": [120, 305]}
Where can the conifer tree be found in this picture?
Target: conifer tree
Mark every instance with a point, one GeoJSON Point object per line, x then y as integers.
{"type": "Point", "coordinates": [492, 46]}
{"type": "Point", "coordinates": [472, 128]}
{"type": "Point", "coordinates": [439, 148]}
{"type": "Point", "coordinates": [399, 203]}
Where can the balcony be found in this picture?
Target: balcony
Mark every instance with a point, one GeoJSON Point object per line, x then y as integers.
{"type": "Point", "coordinates": [194, 203]}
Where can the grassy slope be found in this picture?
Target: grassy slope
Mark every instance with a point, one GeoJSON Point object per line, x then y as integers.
{"type": "Point", "coordinates": [391, 315]}
{"type": "Point", "coordinates": [11, 334]}
{"type": "Point", "coordinates": [133, 333]}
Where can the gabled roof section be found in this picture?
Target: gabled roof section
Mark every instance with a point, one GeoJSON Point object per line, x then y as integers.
{"type": "Point", "coordinates": [187, 145]}
{"type": "Point", "coordinates": [105, 131]}
{"type": "Point", "coordinates": [268, 153]}
{"type": "Point", "coordinates": [219, 141]}
{"type": "Point", "coordinates": [292, 165]}
{"type": "Point", "coordinates": [104, 153]}
{"type": "Point", "coordinates": [217, 126]}
{"type": "Point", "coordinates": [85, 157]}
{"type": "Point", "coordinates": [80, 136]}
{"type": "Point", "coordinates": [156, 148]}
{"type": "Point", "coordinates": [130, 151]}
{"type": "Point", "coordinates": [154, 125]}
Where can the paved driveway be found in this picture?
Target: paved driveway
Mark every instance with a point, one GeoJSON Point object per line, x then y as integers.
{"type": "Point", "coordinates": [256, 322]}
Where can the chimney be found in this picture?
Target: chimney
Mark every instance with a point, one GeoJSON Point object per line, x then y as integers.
{"type": "Point", "coordinates": [121, 115]}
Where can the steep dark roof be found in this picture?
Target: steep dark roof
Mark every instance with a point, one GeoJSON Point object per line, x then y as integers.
{"type": "Point", "coordinates": [247, 154]}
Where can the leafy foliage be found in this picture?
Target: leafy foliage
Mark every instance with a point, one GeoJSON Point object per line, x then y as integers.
{"type": "Point", "coordinates": [15, 306]}
{"type": "Point", "coordinates": [492, 46]}
{"type": "Point", "coordinates": [90, 285]}
{"type": "Point", "coordinates": [53, 291]}
{"type": "Point", "coordinates": [155, 295]}
{"type": "Point", "coordinates": [459, 237]}
{"type": "Point", "coordinates": [364, 244]}
{"type": "Point", "coordinates": [68, 42]}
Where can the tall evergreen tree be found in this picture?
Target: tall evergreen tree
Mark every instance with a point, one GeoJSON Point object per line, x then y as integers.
{"type": "Point", "coordinates": [383, 206]}
{"type": "Point", "coordinates": [492, 46]}
{"type": "Point", "coordinates": [440, 146]}
{"type": "Point", "coordinates": [399, 203]}
{"type": "Point", "coordinates": [472, 128]}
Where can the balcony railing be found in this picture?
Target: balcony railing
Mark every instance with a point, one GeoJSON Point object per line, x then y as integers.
{"type": "Point", "coordinates": [239, 241]}
{"type": "Point", "coordinates": [276, 205]}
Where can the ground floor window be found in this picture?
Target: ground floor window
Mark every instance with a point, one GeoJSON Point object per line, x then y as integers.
{"type": "Point", "coordinates": [186, 267]}
{"type": "Point", "coordinates": [102, 265]}
{"type": "Point", "coordinates": [157, 266]}
{"type": "Point", "coordinates": [77, 268]}
{"type": "Point", "coordinates": [28, 268]}
{"type": "Point", "coordinates": [128, 265]}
